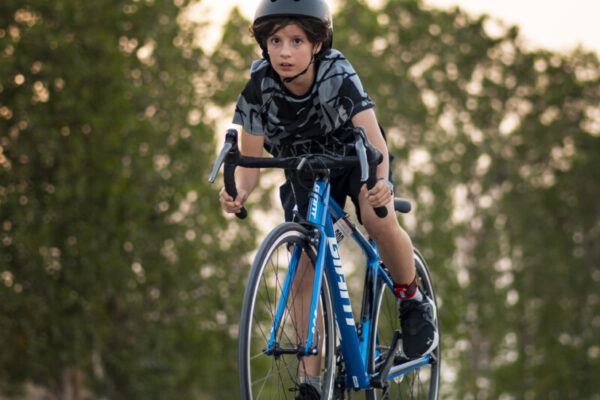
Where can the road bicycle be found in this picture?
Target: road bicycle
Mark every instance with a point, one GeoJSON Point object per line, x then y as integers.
{"type": "Point", "coordinates": [281, 329]}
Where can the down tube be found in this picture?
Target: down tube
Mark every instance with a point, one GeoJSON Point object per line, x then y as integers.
{"type": "Point", "coordinates": [356, 371]}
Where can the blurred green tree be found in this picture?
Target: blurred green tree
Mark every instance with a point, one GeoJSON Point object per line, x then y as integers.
{"type": "Point", "coordinates": [499, 147]}
{"type": "Point", "coordinates": [117, 275]}
{"type": "Point", "coordinates": [110, 265]}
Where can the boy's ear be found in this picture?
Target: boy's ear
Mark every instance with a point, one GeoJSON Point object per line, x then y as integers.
{"type": "Point", "coordinates": [317, 47]}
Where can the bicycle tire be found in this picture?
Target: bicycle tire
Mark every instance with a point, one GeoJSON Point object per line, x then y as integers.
{"type": "Point", "coordinates": [421, 383]}
{"type": "Point", "coordinates": [266, 377]}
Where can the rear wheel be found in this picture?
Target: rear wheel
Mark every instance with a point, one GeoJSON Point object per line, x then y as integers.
{"type": "Point", "coordinates": [421, 383]}
{"type": "Point", "coordinates": [278, 376]}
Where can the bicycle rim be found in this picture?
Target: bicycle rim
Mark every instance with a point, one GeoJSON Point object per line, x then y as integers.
{"type": "Point", "coordinates": [422, 383]}
{"type": "Point", "coordinates": [265, 376]}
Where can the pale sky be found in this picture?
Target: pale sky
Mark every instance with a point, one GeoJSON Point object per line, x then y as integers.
{"type": "Point", "coordinates": [552, 24]}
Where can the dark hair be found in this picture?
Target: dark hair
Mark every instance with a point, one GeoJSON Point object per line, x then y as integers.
{"type": "Point", "coordinates": [317, 31]}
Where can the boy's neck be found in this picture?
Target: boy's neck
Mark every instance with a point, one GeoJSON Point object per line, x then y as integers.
{"type": "Point", "coordinates": [302, 84]}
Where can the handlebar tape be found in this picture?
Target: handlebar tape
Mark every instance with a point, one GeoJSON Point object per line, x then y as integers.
{"type": "Point", "coordinates": [382, 211]}
{"type": "Point", "coordinates": [229, 175]}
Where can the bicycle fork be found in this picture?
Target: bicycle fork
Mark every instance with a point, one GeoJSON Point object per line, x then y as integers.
{"type": "Point", "coordinates": [273, 348]}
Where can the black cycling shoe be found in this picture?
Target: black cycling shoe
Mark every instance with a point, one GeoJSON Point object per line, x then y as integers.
{"type": "Point", "coordinates": [308, 392]}
{"type": "Point", "coordinates": [419, 330]}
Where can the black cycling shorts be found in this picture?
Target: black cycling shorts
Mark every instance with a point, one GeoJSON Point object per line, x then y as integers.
{"type": "Point", "coordinates": [298, 186]}
{"type": "Point", "coordinates": [344, 182]}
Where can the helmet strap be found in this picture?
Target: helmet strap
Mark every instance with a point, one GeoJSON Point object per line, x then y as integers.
{"type": "Point", "coordinates": [312, 60]}
{"type": "Point", "coordinates": [288, 80]}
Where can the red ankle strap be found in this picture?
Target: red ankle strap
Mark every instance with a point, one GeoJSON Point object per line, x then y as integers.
{"type": "Point", "coordinates": [406, 291]}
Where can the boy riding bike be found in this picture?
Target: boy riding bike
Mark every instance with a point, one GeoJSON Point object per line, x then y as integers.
{"type": "Point", "coordinates": [305, 97]}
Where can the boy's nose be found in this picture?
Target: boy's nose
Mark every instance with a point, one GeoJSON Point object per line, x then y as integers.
{"type": "Point", "coordinates": [285, 49]}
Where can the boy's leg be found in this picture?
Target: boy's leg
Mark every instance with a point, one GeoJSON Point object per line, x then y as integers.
{"type": "Point", "coordinates": [417, 311]}
{"type": "Point", "coordinates": [394, 244]}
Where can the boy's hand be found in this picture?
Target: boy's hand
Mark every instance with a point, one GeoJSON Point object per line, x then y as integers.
{"type": "Point", "coordinates": [229, 204]}
{"type": "Point", "coordinates": [379, 195]}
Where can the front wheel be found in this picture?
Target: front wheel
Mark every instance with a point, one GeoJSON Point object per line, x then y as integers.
{"type": "Point", "coordinates": [279, 376]}
{"type": "Point", "coordinates": [421, 383]}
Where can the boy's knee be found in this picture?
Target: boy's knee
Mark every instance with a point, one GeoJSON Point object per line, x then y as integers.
{"type": "Point", "coordinates": [379, 227]}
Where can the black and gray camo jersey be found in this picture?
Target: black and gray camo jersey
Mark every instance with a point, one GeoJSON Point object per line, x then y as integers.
{"type": "Point", "coordinates": [318, 121]}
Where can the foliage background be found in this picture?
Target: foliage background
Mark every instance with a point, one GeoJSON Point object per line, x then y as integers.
{"type": "Point", "coordinates": [120, 278]}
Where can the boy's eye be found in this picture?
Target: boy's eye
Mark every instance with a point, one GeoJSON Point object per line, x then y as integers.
{"type": "Point", "coordinates": [295, 41]}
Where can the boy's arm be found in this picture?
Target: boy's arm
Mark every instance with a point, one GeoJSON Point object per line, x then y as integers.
{"type": "Point", "coordinates": [380, 194]}
{"type": "Point", "coordinates": [245, 178]}
{"type": "Point", "coordinates": [368, 120]}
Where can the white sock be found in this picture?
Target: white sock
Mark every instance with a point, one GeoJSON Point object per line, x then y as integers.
{"type": "Point", "coordinates": [418, 296]}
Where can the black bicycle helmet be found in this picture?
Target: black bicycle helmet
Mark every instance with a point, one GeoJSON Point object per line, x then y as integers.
{"type": "Point", "coordinates": [302, 8]}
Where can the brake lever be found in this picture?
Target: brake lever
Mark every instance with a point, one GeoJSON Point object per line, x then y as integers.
{"type": "Point", "coordinates": [230, 152]}
{"type": "Point", "coordinates": [361, 151]}
{"type": "Point", "coordinates": [220, 159]}
{"type": "Point", "coordinates": [229, 148]}
{"type": "Point", "coordinates": [369, 157]}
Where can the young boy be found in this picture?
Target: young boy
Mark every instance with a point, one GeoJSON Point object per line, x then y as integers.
{"type": "Point", "coordinates": [304, 97]}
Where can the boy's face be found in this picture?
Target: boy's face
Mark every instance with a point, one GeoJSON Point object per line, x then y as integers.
{"type": "Point", "coordinates": [291, 52]}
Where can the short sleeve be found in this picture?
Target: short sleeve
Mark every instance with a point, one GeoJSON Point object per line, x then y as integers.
{"type": "Point", "coordinates": [341, 93]}
{"type": "Point", "coordinates": [352, 89]}
{"type": "Point", "coordinates": [249, 104]}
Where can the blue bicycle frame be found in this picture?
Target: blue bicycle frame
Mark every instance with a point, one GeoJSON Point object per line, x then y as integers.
{"type": "Point", "coordinates": [321, 210]}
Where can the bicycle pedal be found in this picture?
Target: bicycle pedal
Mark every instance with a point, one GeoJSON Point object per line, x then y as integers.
{"type": "Point", "coordinates": [378, 381]}
{"type": "Point", "coordinates": [400, 359]}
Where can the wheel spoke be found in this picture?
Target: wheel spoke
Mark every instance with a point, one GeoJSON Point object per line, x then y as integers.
{"type": "Point", "coordinates": [277, 376]}
{"type": "Point", "coordinates": [419, 383]}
